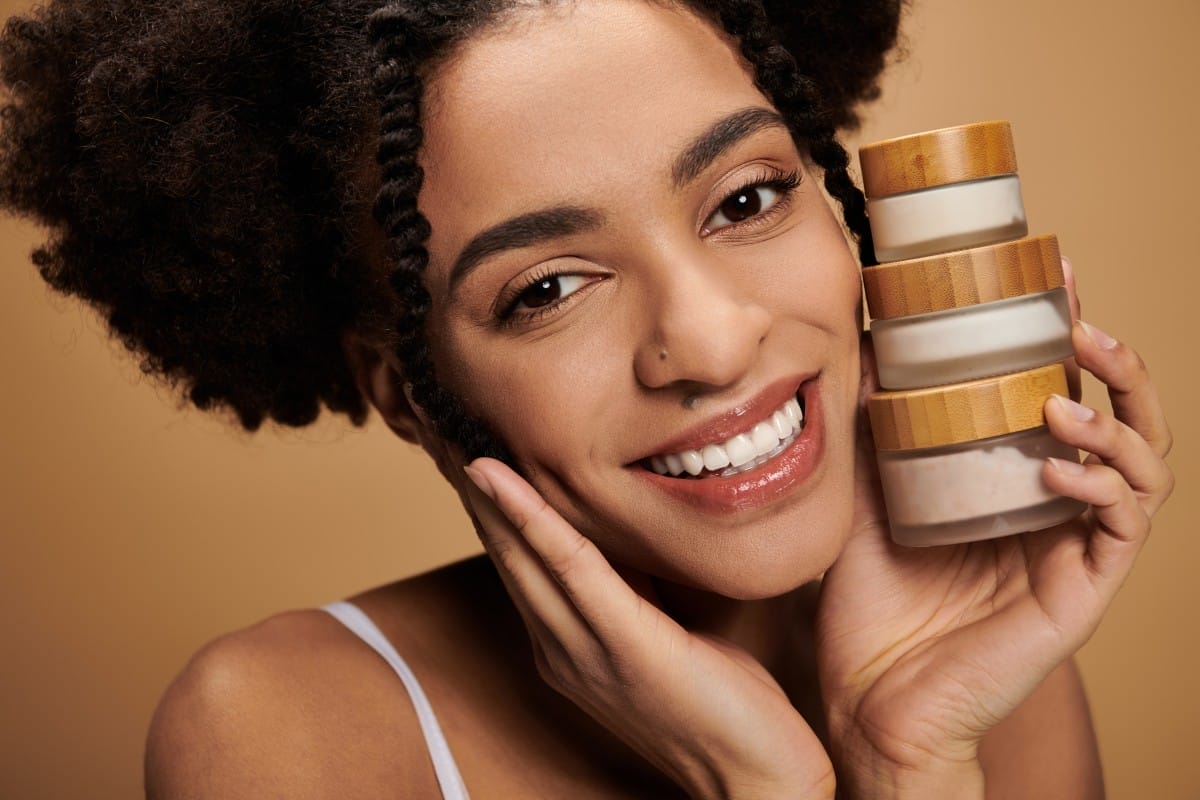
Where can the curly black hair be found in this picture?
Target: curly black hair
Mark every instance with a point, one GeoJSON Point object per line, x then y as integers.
{"type": "Point", "coordinates": [198, 166]}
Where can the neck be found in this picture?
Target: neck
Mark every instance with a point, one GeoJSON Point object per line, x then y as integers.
{"type": "Point", "coordinates": [777, 631]}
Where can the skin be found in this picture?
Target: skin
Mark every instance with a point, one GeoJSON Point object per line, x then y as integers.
{"type": "Point", "coordinates": [735, 309]}
{"type": "Point", "coordinates": [944, 672]}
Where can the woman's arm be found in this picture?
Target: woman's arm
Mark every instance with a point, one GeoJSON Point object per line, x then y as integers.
{"type": "Point", "coordinates": [925, 651]}
{"type": "Point", "coordinates": [1047, 747]}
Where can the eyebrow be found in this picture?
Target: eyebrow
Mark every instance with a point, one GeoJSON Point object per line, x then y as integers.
{"type": "Point", "coordinates": [547, 224]}
{"type": "Point", "coordinates": [722, 135]}
{"type": "Point", "coordinates": [523, 231]}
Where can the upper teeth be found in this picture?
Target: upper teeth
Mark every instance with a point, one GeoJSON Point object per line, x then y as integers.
{"type": "Point", "coordinates": [754, 446]}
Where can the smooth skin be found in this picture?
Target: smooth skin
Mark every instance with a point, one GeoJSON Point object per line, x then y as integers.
{"type": "Point", "coordinates": [673, 651]}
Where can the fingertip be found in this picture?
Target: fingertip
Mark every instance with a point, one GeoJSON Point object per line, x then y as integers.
{"type": "Point", "coordinates": [1065, 467]}
{"type": "Point", "coordinates": [480, 479]}
{"type": "Point", "coordinates": [1062, 476]}
{"type": "Point", "coordinates": [1069, 282]}
{"type": "Point", "coordinates": [1097, 337]}
{"type": "Point", "coordinates": [1069, 409]}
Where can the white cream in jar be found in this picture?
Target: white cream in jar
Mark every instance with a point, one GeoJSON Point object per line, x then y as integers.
{"type": "Point", "coordinates": [967, 315]}
{"type": "Point", "coordinates": [964, 463]}
{"type": "Point", "coordinates": [943, 190]}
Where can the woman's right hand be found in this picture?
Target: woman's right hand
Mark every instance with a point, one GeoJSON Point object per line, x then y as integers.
{"type": "Point", "coordinates": [701, 710]}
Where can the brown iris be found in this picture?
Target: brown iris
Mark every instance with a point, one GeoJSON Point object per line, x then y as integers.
{"type": "Point", "coordinates": [542, 293]}
{"type": "Point", "coordinates": [740, 206]}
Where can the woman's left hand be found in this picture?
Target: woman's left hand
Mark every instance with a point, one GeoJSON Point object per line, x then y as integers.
{"type": "Point", "coordinates": [922, 651]}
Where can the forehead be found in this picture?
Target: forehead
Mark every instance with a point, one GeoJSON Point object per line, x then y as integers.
{"type": "Point", "coordinates": [568, 104]}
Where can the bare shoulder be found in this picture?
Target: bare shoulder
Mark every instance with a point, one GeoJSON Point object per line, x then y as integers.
{"type": "Point", "coordinates": [295, 706]}
{"type": "Point", "coordinates": [1047, 747]}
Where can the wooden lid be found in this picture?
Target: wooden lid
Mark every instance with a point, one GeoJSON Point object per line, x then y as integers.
{"type": "Point", "coordinates": [964, 412]}
{"type": "Point", "coordinates": [963, 278]}
{"type": "Point", "coordinates": [938, 158]}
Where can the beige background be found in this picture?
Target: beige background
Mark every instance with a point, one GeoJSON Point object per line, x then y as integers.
{"type": "Point", "coordinates": [131, 531]}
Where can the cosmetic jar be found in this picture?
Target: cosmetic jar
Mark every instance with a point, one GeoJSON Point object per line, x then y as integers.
{"type": "Point", "coordinates": [964, 463]}
{"type": "Point", "coordinates": [969, 314]}
{"type": "Point", "coordinates": [943, 190]}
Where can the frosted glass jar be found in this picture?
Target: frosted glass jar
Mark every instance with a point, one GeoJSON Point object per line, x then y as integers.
{"type": "Point", "coordinates": [964, 463]}
{"type": "Point", "coordinates": [967, 315]}
{"type": "Point", "coordinates": [974, 342]}
{"type": "Point", "coordinates": [943, 190]}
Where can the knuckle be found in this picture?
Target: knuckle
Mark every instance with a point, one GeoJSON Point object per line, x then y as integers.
{"type": "Point", "coordinates": [1111, 433]}
{"type": "Point", "coordinates": [1139, 528]}
{"type": "Point", "coordinates": [522, 520]}
{"type": "Point", "coordinates": [1168, 482]}
{"type": "Point", "coordinates": [1138, 366]}
{"type": "Point", "coordinates": [506, 555]}
{"type": "Point", "coordinates": [570, 559]}
{"type": "Point", "coordinates": [563, 675]}
{"type": "Point", "coordinates": [1112, 486]}
{"type": "Point", "coordinates": [545, 670]}
{"type": "Point", "coordinates": [1134, 369]}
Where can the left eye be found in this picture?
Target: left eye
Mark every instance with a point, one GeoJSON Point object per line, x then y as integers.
{"type": "Point", "coordinates": [743, 204]}
{"type": "Point", "coordinates": [548, 290]}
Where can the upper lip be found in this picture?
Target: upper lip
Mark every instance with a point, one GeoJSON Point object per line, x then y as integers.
{"type": "Point", "coordinates": [739, 419]}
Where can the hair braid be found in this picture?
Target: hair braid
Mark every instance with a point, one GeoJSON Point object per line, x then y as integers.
{"type": "Point", "coordinates": [800, 100]}
{"type": "Point", "coordinates": [403, 39]}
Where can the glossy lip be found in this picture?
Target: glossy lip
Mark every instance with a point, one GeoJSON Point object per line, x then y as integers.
{"type": "Point", "coordinates": [763, 485]}
{"type": "Point", "coordinates": [739, 419]}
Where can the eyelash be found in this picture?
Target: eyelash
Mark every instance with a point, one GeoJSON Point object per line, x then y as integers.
{"type": "Point", "coordinates": [507, 304]}
{"type": "Point", "coordinates": [783, 182]}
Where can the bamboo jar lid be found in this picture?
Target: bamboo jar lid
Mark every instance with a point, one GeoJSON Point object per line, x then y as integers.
{"type": "Point", "coordinates": [938, 158]}
{"type": "Point", "coordinates": [964, 412]}
{"type": "Point", "coordinates": [963, 278]}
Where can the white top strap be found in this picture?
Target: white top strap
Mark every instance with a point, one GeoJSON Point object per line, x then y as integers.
{"type": "Point", "coordinates": [447, 772]}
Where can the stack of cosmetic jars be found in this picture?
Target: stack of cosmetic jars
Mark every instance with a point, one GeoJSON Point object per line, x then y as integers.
{"type": "Point", "coordinates": [971, 323]}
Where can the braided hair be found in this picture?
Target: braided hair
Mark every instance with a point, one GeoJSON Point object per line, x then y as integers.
{"type": "Point", "coordinates": [197, 164]}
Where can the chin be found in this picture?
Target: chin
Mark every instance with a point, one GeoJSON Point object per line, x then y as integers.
{"type": "Point", "coordinates": [767, 558]}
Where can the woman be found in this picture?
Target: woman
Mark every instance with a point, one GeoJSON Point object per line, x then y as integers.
{"type": "Point", "coordinates": [621, 252]}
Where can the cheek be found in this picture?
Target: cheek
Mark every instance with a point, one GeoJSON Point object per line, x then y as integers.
{"type": "Point", "coordinates": [817, 280]}
{"type": "Point", "coordinates": [541, 397]}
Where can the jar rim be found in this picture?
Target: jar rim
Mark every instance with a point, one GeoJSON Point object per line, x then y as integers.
{"type": "Point", "coordinates": [937, 158]}
{"type": "Point", "coordinates": [964, 277]}
{"type": "Point", "coordinates": [914, 419]}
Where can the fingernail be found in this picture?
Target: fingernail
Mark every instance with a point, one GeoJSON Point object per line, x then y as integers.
{"type": "Point", "coordinates": [1098, 337]}
{"type": "Point", "coordinates": [1081, 413]}
{"type": "Point", "coordinates": [1068, 270]}
{"type": "Point", "coordinates": [481, 481]}
{"type": "Point", "coordinates": [1067, 467]}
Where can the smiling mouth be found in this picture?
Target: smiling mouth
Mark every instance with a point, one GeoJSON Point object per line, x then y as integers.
{"type": "Point", "coordinates": [743, 452]}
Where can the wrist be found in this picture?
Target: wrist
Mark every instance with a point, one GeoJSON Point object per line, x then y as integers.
{"type": "Point", "coordinates": [877, 761]}
{"type": "Point", "coordinates": [864, 773]}
{"type": "Point", "coordinates": [801, 785]}
{"type": "Point", "coordinates": [959, 781]}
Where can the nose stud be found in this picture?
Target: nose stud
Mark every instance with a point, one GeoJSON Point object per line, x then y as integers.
{"type": "Point", "coordinates": [690, 401]}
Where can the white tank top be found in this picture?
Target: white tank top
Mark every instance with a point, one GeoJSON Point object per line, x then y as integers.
{"type": "Point", "coordinates": [360, 624]}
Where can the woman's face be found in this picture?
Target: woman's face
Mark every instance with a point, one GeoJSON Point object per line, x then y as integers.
{"type": "Point", "coordinates": [622, 270]}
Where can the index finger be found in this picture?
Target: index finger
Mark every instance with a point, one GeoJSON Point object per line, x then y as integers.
{"type": "Point", "coordinates": [1133, 395]}
{"type": "Point", "coordinates": [594, 588]}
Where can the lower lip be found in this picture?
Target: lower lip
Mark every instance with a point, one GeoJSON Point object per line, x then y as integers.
{"type": "Point", "coordinates": [761, 486]}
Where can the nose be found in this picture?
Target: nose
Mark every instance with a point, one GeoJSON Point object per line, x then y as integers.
{"type": "Point", "coordinates": [705, 328]}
